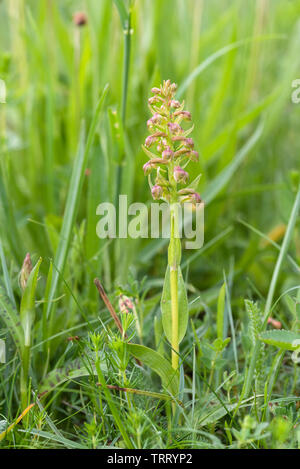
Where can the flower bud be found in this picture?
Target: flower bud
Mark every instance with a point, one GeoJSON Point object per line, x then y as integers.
{"type": "Point", "coordinates": [125, 304]}
{"type": "Point", "coordinates": [25, 271]}
{"type": "Point", "coordinates": [147, 168]}
{"type": "Point", "coordinates": [189, 142]}
{"type": "Point", "coordinates": [156, 192]}
{"type": "Point", "coordinates": [184, 114]}
{"type": "Point", "coordinates": [175, 104]}
{"type": "Point", "coordinates": [155, 90]}
{"type": "Point", "coordinates": [180, 175]}
{"type": "Point", "coordinates": [173, 87]}
{"type": "Point", "coordinates": [167, 153]}
{"type": "Point", "coordinates": [149, 141]}
{"type": "Point", "coordinates": [195, 198]}
{"type": "Point", "coordinates": [153, 100]}
{"type": "Point", "coordinates": [79, 18]}
{"type": "Point", "coordinates": [194, 155]}
{"type": "Point", "coordinates": [155, 119]}
{"type": "Point", "coordinates": [174, 127]}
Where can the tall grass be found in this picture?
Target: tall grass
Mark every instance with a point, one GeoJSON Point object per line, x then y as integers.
{"type": "Point", "coordinates": [234, 66]}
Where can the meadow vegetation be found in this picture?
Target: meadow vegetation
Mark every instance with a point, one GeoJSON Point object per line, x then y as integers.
{"type": "Point", "coordinates": [88, 362]}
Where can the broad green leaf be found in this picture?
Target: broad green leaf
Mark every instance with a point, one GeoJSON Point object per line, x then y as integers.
{"type": "Point", "coordinates": [27, 307]}
{"type": "Point", "coordinates": [220, 312]}
{"type": "Point", "coordinates": [159, 364]}
{"type": "Point", "coordinates": [286, 340]}
{"type": "Point", "coordinates": [166, 309]}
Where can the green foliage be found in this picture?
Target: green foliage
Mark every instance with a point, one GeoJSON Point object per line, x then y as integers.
{"type": "Point", "coordinates": [166, 308]}
{"type": "Point", "coordinates": [239, 381]}
{"type": "Point", "coordinates": [286, 340]}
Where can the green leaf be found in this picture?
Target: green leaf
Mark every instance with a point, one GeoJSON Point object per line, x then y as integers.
{"type": "Point", "coordinates": [159, 364]}
{"type": "Point", "coordinates": [220, 312]}
{"type": "Point", "coordinates": [286, 340]}
{"type": "Point", "coordinates": [195, 183]}
{"type": "Point", "coordinates": [72, 370]}
{"type": "Point", "coordinates": [27, 307]}
{"type": "Point", "coordinates": [213, 57]}
{"type": "Point", "coordinates": [166, 309]}
{"type": "Point", "coordinates": [122, 9]}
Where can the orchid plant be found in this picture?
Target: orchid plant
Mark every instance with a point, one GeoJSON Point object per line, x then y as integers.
{"type": "Point", "coordinates": [170, 149]}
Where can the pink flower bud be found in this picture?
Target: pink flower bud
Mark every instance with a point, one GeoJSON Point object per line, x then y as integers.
{"type": "Point", "coordinates": [80, 18]}
{"type": "Point", "coordinates": [195, 198]}
{"type": "Point", "coordinates": [155, 90]}
{"type": "Point", "coordinates": [175, 104]}
{"type": "Point", "coordinates": [184, 114]}
{"type": "Point", "coordinates": [174, 127]}
{"type": "Point", "coordinates": [147, 168]}
{"type": "Point", "coordinates": [155, 119]}
{"type": "Point", "coordinates": [194, 155]}
{"type": "Point", "coordinates": [189, 142]}
{"type": "Point", "coordinates": [167, 153]}
{"type": "Point", "coordinates": [153, 100]}
{"type": "Point", "coordinates": [173, 87]}
{"type": "Point", "coordinates": [149, 141]}
{"type": "Point", "coordinates": [180, 175]}
{"type": "Point", "coordinates": [156, 192]}
{"type": "Point", "coordinates": [125, 304]}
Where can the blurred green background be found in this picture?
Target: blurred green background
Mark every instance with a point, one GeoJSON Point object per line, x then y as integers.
{"type": "Point", "coordinates": [234, 62]}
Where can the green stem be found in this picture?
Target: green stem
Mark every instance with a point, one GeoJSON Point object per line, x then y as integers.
{"type": "Point", "coordinates": [24, 377]}
{"type": "Point", "coordinates": [174, 261]}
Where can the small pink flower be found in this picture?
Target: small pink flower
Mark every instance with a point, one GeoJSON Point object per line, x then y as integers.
{"type": "Point", "coordinates": [180, 175]}
{"type": "Point", "coordinates": [175, 104]}
{"type": "Point", "coordinates": [147, 168]}
{"type": "Point", "coordinates": [189, 142]}
{"type": "Point", "coordinates": [174, 127]}
{"type": "Point", "coordinates": [156, 192]}
{"type": "Point", "coordinates": [80, 18]}
{"type": "Point", "coordinates": [153, 100]}
{"type": "Point", "coordinates": [167, 153]}
{"type": "Point", "coordinates": [184, 114]}
{"type": "Point", "coordinates": [195, 198]}
{"type": "Point", "coordinates": [155, 90]}
{"type": "Point", "coordinates": [149, 141]}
